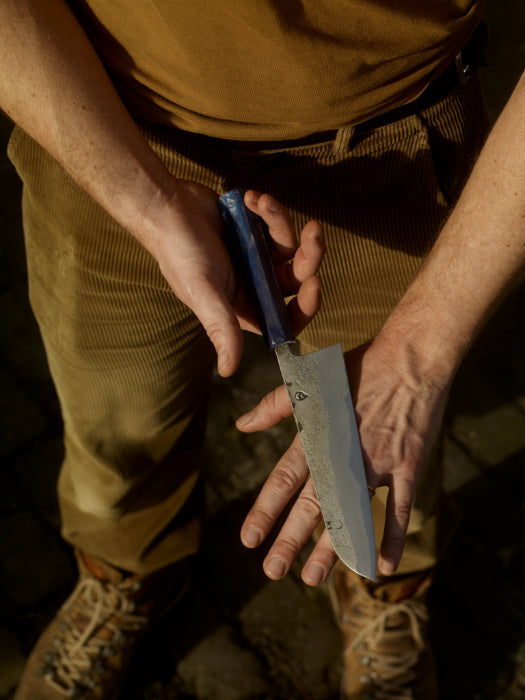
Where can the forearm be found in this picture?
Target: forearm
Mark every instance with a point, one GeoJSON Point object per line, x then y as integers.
{"type": "Point", "coordinates": [477, 256]}
{"type": "Point", "coordinates": [400, 382]}
{"type": "Point", "coordinates": [53, 85]}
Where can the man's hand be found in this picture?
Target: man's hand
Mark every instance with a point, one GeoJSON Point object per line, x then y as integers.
{"type": "Point", "coordinates": [399, 410]}
{"type": "Point", "coordinates": [400, 383]}
{"type": "Point", "coordinates": [70, 107]}
{"type": "Point", "coordinates": [193, 258]}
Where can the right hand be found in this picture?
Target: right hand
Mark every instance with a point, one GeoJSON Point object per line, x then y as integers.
{"type": "Point", "coordinates": [193, 258]}
{"type": "Point", "coordinates": [399, 406]}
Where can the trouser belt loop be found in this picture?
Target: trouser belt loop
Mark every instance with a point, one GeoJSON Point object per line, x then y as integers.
{"type": "Point", "coordinates": [343, 139]}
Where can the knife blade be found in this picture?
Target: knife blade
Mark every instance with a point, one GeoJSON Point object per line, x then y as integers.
{"type": "Point", "coordinates": [317, 385]}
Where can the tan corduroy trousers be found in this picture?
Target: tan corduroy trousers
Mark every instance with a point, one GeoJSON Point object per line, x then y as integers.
{"type": "Point", "coordinates": [132, 365]}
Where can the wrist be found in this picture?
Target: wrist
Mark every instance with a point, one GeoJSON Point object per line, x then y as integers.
{"type": "Point", "coordinates": [424, 339]}
{"type": "Point", "coordinates": [145, 207]}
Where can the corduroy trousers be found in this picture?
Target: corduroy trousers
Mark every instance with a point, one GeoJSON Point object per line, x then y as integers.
{"type": "Point", "coordinates": [131, 363]}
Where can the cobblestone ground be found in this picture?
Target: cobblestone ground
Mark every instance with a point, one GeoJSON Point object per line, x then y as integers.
{"type": "Point", "coordinates": [239, 636]}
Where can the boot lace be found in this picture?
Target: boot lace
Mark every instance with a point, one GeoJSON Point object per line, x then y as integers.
{"type": "Point", "coordinates": [98, 618]}
{"type": "Point", "coordinates": [378, 626]}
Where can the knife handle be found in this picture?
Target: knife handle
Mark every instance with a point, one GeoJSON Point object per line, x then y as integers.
{"type": "Point", "coordinates": [248, 248]}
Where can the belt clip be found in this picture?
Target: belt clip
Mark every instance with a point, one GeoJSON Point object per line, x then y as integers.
{"type": "Point", "coordinates": [474, 54]}
{"type": "Point", "coordinates": [462, 70]}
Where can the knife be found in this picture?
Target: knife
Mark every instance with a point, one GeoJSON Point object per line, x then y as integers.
{"type": "Point", "coordinates": [318, 389]}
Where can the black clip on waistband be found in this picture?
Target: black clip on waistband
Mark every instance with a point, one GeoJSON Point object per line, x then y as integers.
{"type": "Point", "coordinates": [472, 55]}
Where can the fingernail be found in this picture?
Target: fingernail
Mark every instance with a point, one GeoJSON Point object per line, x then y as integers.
{"type": "Point", "coordinates": [275, 568]}
{"type": "Point", "coordinates": [314, 574]}
{"type": "Point", "coordinates": [251, 538]}
{"type": "Point", "coordinates": [223, 360]}
{"type": "Point", "coordinates": [387, 567]}
{"type": "Point", "coordinates": [274, 206]}
{"type": "Point", "coordinates": [245, 419]}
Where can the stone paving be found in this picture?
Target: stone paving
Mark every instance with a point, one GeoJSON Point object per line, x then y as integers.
{"type": "Point", "coordinates": [239, 636]}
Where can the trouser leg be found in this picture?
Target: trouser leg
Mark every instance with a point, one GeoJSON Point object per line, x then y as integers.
{"type": "Point", "coordinates": [131, 365]}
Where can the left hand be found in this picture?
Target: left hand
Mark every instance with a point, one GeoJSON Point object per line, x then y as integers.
{"type": "Point", "coordinates": [399, 409]}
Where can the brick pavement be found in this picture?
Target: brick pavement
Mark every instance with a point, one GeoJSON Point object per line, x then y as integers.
{"type": "Point", "coordinates": [239, 636]}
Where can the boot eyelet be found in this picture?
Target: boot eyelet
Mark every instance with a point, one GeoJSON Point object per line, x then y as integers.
{"type": "Point", "coordinates": [98, 667]}
{"type": "Point", "coordinates": [109, 652]}
{"type": "Point", "coordinates": [119, 637]}
{"type": "Point", "coordinates": [89, 682]}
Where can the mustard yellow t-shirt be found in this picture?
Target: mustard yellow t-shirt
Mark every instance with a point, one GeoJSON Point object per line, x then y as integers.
{"type": "Point", "coordinates": [273, 69]}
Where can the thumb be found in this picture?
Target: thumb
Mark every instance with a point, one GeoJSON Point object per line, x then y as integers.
{"type": "Point", "coordinates": [222, 327]}
{"type": "Point", "coordinates": [269, 411]}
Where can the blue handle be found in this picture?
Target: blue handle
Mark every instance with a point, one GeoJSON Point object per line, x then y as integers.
{"type": "Point", "coordinates": [251, 258]}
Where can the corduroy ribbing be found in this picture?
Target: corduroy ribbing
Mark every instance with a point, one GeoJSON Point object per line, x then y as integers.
{"type": "Point", "coordinates": [132, 364]}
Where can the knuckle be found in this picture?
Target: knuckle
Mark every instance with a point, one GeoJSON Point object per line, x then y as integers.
{"type": "Point", "coordinates": [213, 331]}
{"type": "Point", "coordinates": [325, 557]}
{"type": "Point", "coordinates": [274, 402]}
{"type": "Point", "coordinates": [260, 519]}
{"type": "Point", "coordinates": [308, 506]}
{"type": "Point", "coordinates": [284, 480]}
{"type": "Point", "coordinates": [287, 546]}
{"type": "Point", "coordinates": [274, 406]}
{"type": "Point", "coordinates": [216, 328]}
{"type": "Point", "coordinates": [403, 514]}
{"type": "Point", "coordinates": [394, 542]}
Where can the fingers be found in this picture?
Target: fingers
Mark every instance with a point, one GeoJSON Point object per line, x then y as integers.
{"type": "Point", "coordinates": [312, 248]}
{"type": "Point", "coordinates": [277, 218]}
{"type": "Point", "coordinates": [222, 327]}
{"type": "Point", "coordinates": [399, 505]}
{"type": "Point", "coordinates": [293, 537]}
{"type": "Point", "coordinates": [306, 254]}
{"type": "Point", "coordinates": [269, 411]}
{"type": "Point", "coordinates": [296, 263]}
{"type": "Point", "coordinates": [307, 259]}
{"type": "Point", "coordinates": [281, 486]}
{"type": "Point", "coordinates": [295, 533]}
{"type": "Point", "coordinates": [303, 307]}
{"type": "Point", "coordinates": [320, 562]}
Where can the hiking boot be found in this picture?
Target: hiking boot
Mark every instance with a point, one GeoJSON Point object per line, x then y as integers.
{"type": "Point", "coordinates": [85, 651]}
{"type": "Point", "coordinates": [384, 625]}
